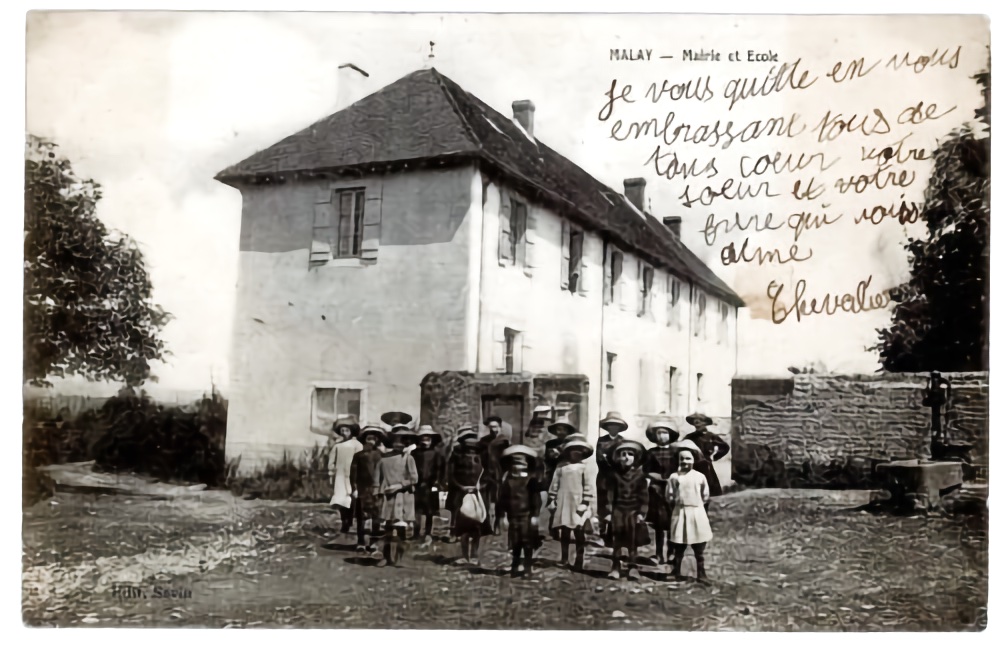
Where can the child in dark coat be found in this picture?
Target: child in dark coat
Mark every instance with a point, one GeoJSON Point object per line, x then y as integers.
{"type": "Point", "coordinates": [364, 483]}
{"type": "Point", "coordinates": [661, 462]}
{"type": "Point", "coordinates": [465, 474]}
{"type": "Point", "coordinates": [628, 498]}
{"type": "Point", "coordinates": [520, 500]}
{"type": "Point", "coordinates": [431, 471]}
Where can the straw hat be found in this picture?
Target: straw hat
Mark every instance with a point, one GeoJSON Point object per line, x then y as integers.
{"type": "Point", "coordinates": [577, 444]}
{"type": "Point", "coordinates": [687, 445]}
{"type": "Point", "coordinates": [695, 418]}
{"type": "Point", "coordinates": [466, 431]}
{"type": "Point", "coordinates": [428, 430]}
{"type": "Point", "coordinates": [631, 445]}
{"type": "Point", "coordinates": [349, 421]}
{"type": "Point", "coordinates": [372, 429]}
{"type": "Point", "coordinates": [661, 422]}
{"type": "Point", "coordinates": [392, 418]}
{"type": "Point", "coordinates": [405, 435]}
{"type": "Point", "coordinates": [614, 419]}
{"type": "Point", "coordinates": [562, 422]}
{"type": "Point", "coordinates": [519, 450]}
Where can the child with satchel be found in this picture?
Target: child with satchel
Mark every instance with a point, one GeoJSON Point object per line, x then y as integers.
{"type": "Point", "coordinates": [469, 520]}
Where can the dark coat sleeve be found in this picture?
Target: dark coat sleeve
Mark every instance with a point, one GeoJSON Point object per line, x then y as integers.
{"type": "Point", "coordinates": [643, 498]}
{"type": "Point", "coordinates": [722, 447]}
{"type": "Point", "coordinates": [503, 499]}
{"type": "Point", "coordinates": [354, 470]}
{"type": "Point", "coordinates": [535, 496]}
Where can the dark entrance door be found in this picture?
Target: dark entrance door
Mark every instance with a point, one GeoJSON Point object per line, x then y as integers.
{"type": "Point", "coordinates": [511, 411]}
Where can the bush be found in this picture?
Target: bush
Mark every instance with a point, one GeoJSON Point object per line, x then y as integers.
{"type": "Point", "coordinates": [169, 443]}
{"type": "Point", "coordinates": [305, 478]}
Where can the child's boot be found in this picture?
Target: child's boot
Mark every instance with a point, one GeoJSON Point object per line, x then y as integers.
{"type": "Point", "coordinates": [676, 573]}
{"type": "Point", "coordinates": [633, 571]}
{"type": "Point", "coordinates": [578, 564]}
{"type": "Point", "coordinates": [564, 555]}
{"type": "Point", "coordinates": [702, 576]}
{"type": "Point", "coordinates": [527, 562]}
{"type": "Point", "coordinates": [615, 566]}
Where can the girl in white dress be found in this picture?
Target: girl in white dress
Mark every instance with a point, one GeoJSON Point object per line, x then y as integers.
{"type": "Point", "coordinates": [570, 496]}
{"type": "Point", "coordinates": [687, 493]}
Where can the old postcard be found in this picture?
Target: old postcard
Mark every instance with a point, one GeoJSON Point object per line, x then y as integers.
{"type": "Point", "coordinates": [493, 321]}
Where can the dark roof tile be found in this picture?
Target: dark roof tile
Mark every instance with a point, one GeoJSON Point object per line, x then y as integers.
{"type": "Point", "coordinates": [425, 116]}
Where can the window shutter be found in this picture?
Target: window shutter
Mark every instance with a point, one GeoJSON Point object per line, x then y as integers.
{"type": "Point", "coordinates": [654, 292]}
{"type": "Point", "coordinates": [499, 353]}
{"type": "Point", "coordinates": [582, 284]}
{"type": "Point", "coordinates": [324, 234]}
{"type": "Point", "coordinates": [372, 222]}
{"type": "Point", "coordinates": [609, 261]}
{"type": "Point", "coordinates": [531, 225]}
{"type": "Point", "coordinates": [564, 273]}
{"type": "Point", "coordinates": [623, 300]}
{"type": "Point", "coordinates": [503, 245]}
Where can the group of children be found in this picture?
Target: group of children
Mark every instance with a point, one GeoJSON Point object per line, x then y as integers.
{"type": "Point", "coordinates": [396, 479]}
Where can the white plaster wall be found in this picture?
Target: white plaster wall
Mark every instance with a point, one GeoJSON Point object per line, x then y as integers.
{"type": "Point", "coordinates": [381, 327]}
{"type": "Point", "coordinates": [561, 330]}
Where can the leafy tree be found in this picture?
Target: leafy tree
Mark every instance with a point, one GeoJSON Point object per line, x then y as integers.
{"type": "Point", "coordinates": [940, 321]}
{"type": "Point", "coordinates": [87, 308]}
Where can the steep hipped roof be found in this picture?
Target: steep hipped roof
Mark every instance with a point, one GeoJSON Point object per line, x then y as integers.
{"type": "Point", "coordinates": [426, 116]}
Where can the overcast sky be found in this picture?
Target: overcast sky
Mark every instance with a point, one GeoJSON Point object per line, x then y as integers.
{"type": "Point", "coordinates": [152, 106]}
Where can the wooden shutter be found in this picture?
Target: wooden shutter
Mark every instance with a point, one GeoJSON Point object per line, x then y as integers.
{"type": "Point", "coordinates": [654, 292]}
{"type": "Point", "coordinates": [530, 226]}
{"type": "Point", "coordinates": [324, 234]}
{"type": "Point", "coordinates": [499, 348]}
{"type": "Point", "coordinates": [503, 245]}
{"type": "Point", "coordinates": [608, 263]}
{"type": "Point", "coordinates": [582, 283]}
{"type": "Point", "coordinates": [622, 296]}
{"type": "Point", "coordinates": [372, 222]}
{"type": "Point", "coordinates": [564, 270]}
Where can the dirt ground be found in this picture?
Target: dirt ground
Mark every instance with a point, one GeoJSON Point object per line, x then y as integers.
{"type": "Point", "coordinates": [781, 560]}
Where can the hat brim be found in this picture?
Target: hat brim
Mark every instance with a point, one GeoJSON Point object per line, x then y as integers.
{"type": "Point", "coordinates": [635, 447]}
{"type": "Point", "coordinates": [651, 433]}
{"type": "Point", "coordinates": [621, 425]}
{"type": "Point", "coordinates": [695, 419]}
{"type": "Point", "coordinates": [379, 433]}
{"type": "Point", "coordinates": [678, 448]}
{"type": "Point", "coordinates": [435, 437]}
{"type": "Point", "coordinates": [393, 418]}
{"type": "Point", "coordinates": [587, 450]}
{"type": "Point", "coordinates": [466, 434]}
{"type": "Point", "coordinates": [353, 426]}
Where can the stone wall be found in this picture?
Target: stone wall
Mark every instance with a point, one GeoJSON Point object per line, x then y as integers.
{"type": "Point", "coordinates": [823, 430]}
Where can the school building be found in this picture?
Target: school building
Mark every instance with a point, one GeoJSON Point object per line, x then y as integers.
{"type": "Point", "coordinates": [420, 232]}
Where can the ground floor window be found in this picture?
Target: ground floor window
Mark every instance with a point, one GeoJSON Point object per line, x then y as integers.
{"type": "Point", "coordinates": [329, 402]}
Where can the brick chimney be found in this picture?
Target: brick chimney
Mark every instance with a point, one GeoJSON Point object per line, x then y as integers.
{"type": "Point", "coordinates": [524, 113]}
{"type": "Point", "coordinates": [674, 225]}
{"type": "Point", "coordinates": [351, 85]}
{"type": "Point", "coordinates": [635, 192]}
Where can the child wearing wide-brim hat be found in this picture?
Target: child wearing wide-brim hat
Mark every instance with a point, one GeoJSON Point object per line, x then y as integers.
{"type": "Point", "coordinates": [430, 479]}
{"type": "Point", "coordinates": [614, 424]}
{"type": "Point", "coordinates": [688, 492]}
{"type": "Point", "coordinates": [465, 472]}
{"type": "Point", "coordinates": [570, 498]}
{"type": "Point", "coordinates": [519, 499]}
{"type": "Point", "coordinates": [628, 498]}
{"type": "Point", "coordinates": [364, 482]}
{"type": "Point", "coordinates": [661, 462]}
{"type": "Point", "coordinates": [712, 447]}
{"type": "Point", "coordinates": [339, 466]}
{"type": "Point", "coordinates": [397, 474]}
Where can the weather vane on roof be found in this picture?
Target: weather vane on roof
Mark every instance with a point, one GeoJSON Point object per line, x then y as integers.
{"type": "Point", "coordinates": [431, 55]}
